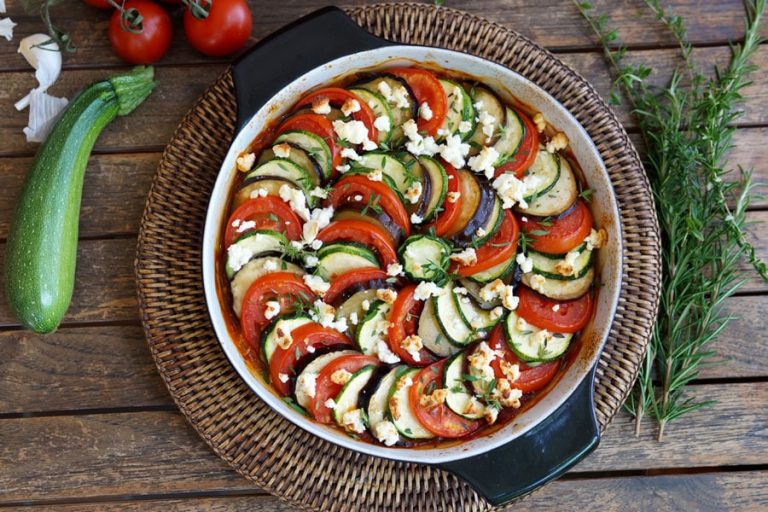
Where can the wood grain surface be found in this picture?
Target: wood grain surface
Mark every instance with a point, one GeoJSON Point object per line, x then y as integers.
{"type": "Point", "coordinates": [85, 420]}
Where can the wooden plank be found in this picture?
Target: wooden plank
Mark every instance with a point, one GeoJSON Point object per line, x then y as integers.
{"type": "Point", "coordinates": [66, 457]}
{"type": "Point", "coordinates": [105, 288]}
{"type": "Point", "coordinates": [707, 492]}
{"type": "Point", "coordinates": [561, 28]}
{"type": "Point", "coordinates": [78, 368]}
{"type": "Point", "coordinates": [738, 346]}
{"type": "Point", "coordinates": [114, 192]}
{"type": "Point", "coordinates": [758, 235]}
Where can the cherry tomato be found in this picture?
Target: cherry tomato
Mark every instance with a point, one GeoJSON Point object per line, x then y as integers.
{"type": "Point", "coordinates": [451, 210]}
{"type": "Point", "coordinates": [532, 378]}
{"type": "Point", "coordinates": [150, 43]}
{"type": "Point", "coordinates": [564, 233]}
{"type": "Point", "coordinates": [403, 321]}
{"type": "Point", "coordinates": [284, 287]}
{"type": "Point", "coordinates": [325, 388]}
{"type": "Point", "coordinates": [571, 315]}
{"type": "Point", "coordinates": [321, 127]}
{"type": "Point", "coordinates": [500, 248]}
{"type": "Point", "coordinates": [223, 31]}
{"type": "Point", "coordinates": [100, 4]}
{"type": "Point", "coordinates": [268, 212]}
{"type": "Point", "coordinates": [349, 187]}
{"type": "Point", "coordinates": [438, 419]}
{"type": "Point", "coordinates": [364, 233]}
{"type": "Point", "coordinates": [526, 153]}
{"type": "Point", "coordinates": [308, 335]}
{"type": "Point", "coordinates": [344, 281]}
{"type": "Point", "coordinates": [337, 97]}
{"type": "Point", "coordinates": [427, 89]}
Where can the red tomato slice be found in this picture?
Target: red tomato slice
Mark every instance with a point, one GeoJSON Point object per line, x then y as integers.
{"type": "Point", "coordinates": [268, 212]}
{"type": "Point", "coordinates": [438, 419]}
{"type": "Point", "coordinates": [283, 287]}
{"type": "Point", "coordinates": [427, 89]}
{"type": "Point", "coordinates": [364, 233]}
{"type": "Point", "coordinates": [526, 153]}
{"type": "Point", "coordinates": [308, 335]}
{"type": "Point", "coordinates": [564, 234]}
{"type": "Point", "coordinates": [371, 194]}
{"type": "Point", "coordinates": [336, 97]}
{"type": "Point", "coordinates": [403, 322]}
{"type": "Point", "coordinates": [501, 247]}
{"type": "Point", "coordinates": [451, 210]}
{"type": "Point", "coordinates": [320, 126]}
{"type": "Point", "coordinates": [325, 388]}
{"type": "Point", "coordinates": [348, 279]}
{"type": "Point", "coordinates": [532, 378]}
{"type": "Point", "coordinates": [571, 315]}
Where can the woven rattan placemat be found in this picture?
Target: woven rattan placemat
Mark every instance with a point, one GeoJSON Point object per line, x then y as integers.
{"type": "Point", "coordinates": [269, 450]}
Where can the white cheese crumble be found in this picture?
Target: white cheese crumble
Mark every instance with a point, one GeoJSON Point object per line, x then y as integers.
{"type": "Point", "coordinates": [296, 199]}
{"type": "Point", "coordinates": [382, 123]}
{"type": "Point", "coordinates": [565, 266]}
{"type": "Point", "coordinates": [480, 361]}
{"type": "Point", "coordinates": [272, 310]}
{"type": "Point", "coordinates": [283, 377]}
{"type": "Point", "coordinates": [353, 421]}
{"type": "Point", "coordinates": [556, 308]}
{"type": "Point", "coordinates": [558, 142]}
{"type": "Point", "coordinates": [354, 132]}
{"type": "Point", "coordinates": [284, 338]}
{"type": "Point", "coordinates": [454, 151]}
{"type": "Point", "coordinates": [344, 167]}
{"type": "Point", "coordinates": [540, 122]}
{"type": "Point", "coordinates": [386, 432]}
{"type": "Point", "coordinates": [319, 192]}
{"type": "Point", "coordinates": [306, 384]}
{"type": "Point", "coordinates": [375, 175]}
{"type": "Point", "coordinates": [259, 192]}
{"type": "Point", "coordinates": [245, 226]}
{"type": "Point", "coordinates": [325, 315]}
{"type": "Point", "coordinates": [466, 257]}
{"type": "Point", "coordinates": [350, 154]}
{"type": "Point", "coordinates": [384, 353]}
{"type": "Point", "coordinates": [497, 289]}
{"type": "Point", "coordinates": [317, 220]}
{"type": "Point", "coordinates": [387, 295]}
{"type": "Point", "coordinates": [321, 106]}
{"type": "Point", "coordinates": [330, 403]}
{"type": "Point", "coordinates": [400, 97]}
{"type": "Point", "coordinates": [596, 239]}
{"type": "Point", "coordinates": [245, 162]}
{"type": "Point", "coordinates": [413, 193]}
{"type": "Point", "coordinates": [350, 107]}
{"type": "Point", "coordinates": [418, 145]}
{"type": "Point", "coordinates": [426, 289]}
{"type": "Point", "coordinates": [340, 376]}
{"type": "Point", "coordinates": [525, 262]}
{"type": "Point", "coordinates": [425, 112]}
{"type": "Point", "coordinates": [453, 196]}
{"type": "Point", "coordinates": [537, 282]}
{"type": "Point", "coordinates": [317, 284]}
{"type": "Point", "coordinates": [486, 121]}
{"type": "Point", "coordinates": [511, 190]}
{"type": "Point", "coordinates": [412, 344]}
{"type": "Point", "coordinates": [483, 162]}
{"type": "Point", "coordinates": [353, 318]}
{"type": "Point", "coordinates": [416, 219]}
{"type": "Point", "coordinates": [282, 150]}
{"type": "Point", "coordinates": [465, 126]}
{"type": "Point", "coordinates": [394, 269]}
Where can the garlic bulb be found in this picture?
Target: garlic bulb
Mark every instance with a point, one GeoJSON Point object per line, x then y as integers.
{"type": "Point", "coordinates": [42, 54]}
{"type": "Point", "coordinates": [6, 27]}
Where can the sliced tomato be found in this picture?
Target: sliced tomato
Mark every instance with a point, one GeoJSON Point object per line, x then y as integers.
{"type": "Point", "coordinates": [325, 388]}
{"type": "Point", "coordinates": [363, 233]}
{"type": "Point", "coordinates": [562, 234]}
{"type": "Point", "coordinates": [284, 287]}
{"type": "Point", "coordinates": [571, 315]}
{"type": "Point", "coordinates": [532, 378]}
{"type": "Point", "coordinates": [451, 211]}
{"type": "Point", "coordinates": [345, 281]}
{"type": "Point", "coordinates": [307, 338]}
{"type": "Point", "coordinates": [268, 212]}
{"type": "Point", "coordinates": [337, 96]}
{"type": "Point", "coordinates": [320, 126]}
{"type": "Point", "coordinates": [403, 321]}
{"type": "Point", "coordinates": [371, 195]}
{"type": "Point", "coordinates": [526, 153]}
{"type": "Point", "coordinates": [438, 419]}
{"type": "Point", "coordinates": [427, 89]}
{"type": "Point", "coordinates": [501, 247]}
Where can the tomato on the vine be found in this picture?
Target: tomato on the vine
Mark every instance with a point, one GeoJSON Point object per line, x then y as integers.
{"type": "Point", "coordinates": [140, 32]}
{"type": "Point", "coordinates": [217, 28]}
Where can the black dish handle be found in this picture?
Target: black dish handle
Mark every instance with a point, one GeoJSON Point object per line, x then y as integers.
{"type": "Point", "coordinates": [305, 44]}
{"type": "Point", "coordinates": [542, 454]}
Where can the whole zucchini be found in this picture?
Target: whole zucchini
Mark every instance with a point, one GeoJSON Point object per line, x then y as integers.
{"type": "Point", "coordinates": [42, 244]}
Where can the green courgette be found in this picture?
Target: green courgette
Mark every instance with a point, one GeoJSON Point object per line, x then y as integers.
{"type": "Point", "coordinates": [42, 244]}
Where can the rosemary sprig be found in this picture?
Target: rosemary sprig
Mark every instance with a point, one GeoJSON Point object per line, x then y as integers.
{"type": "Point", "coordinates": [687, 127]}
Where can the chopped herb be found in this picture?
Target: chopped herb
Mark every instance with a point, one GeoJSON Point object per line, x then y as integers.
{"type": "Point", "coordinates": [296, 407]}
{"type": "Point", "coordinates": [539, 232]}
{"type": "Point", "coordinates": [469, 378]}
{"type": "Point", "coordinates": [586, 194]}
{"type": "Point", "coordinates": [431, 387]}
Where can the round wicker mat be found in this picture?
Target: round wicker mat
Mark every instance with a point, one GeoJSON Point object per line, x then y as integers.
{"type": "Point", "coordinates": [261, 445]}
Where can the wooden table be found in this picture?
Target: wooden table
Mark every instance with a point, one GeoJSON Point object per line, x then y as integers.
{"type": "Point", "coordinates": [85, 421]}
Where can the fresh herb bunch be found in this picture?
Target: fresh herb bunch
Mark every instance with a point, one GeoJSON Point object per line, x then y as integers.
{"type": "Point", "coordinates": [687, 128]}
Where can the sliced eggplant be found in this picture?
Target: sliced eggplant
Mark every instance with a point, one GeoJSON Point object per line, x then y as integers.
{"type": "Point", "coordinates": [348, 397]}
{"type": "Point", "coordinates": [378, 218]}
{"type": "Point", "coordinates": [400, 410]}
{"type": "Point", "coordinates": [380, 108]}
{"type": "Point", "coordinates": [298, 156]}
{"type": "Point", "coordinates": [485, 101]}
{"type": "Point", "coordinates": [460, 110]}
{"type": "Point", "coordinates": [559, 198]}
{"type": "Point", "coordinates": [432, 335]}
{"type": "Point", "coordinates": [251, 245]}
{"type": "Point", "coordinates": [253, 270]}
{"type": "Point", "coordinates": [308, 374]}
{"type": "Point", "coordinates": [399, 114]}
{"type": "Point", "coordinates": [313, 144]}
{"type": "Point", "coordinates": [270, 184]}
{"type": "Point", "coordinates": [460, 399]}
{"type": "Point", "coordinates": [438, 186]}
{"type": "Point", "coordinates": [560, 290]}
{"type": "Point", "coordinates": [477, 205]}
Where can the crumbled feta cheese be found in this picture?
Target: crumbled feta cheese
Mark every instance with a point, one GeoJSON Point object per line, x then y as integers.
{"type": "Point", "coordinates": [412, 344]}
{"type": "Point", "coordinates": [400, 97]}
{"type": "Point", "coordinates": [316, 244]}
{"type": "Point", "coordinates": [413, 193]}
{"type": "Point", "coordinates": [510, 371]}
{"type": "Point", "coordinates": [426, 289]}
{"type": "Point", "coordinates": [385, 90]}
{"type": "Point", "coordinates": [425, 112]}
{"type": "Point", "coordinates": [319, 192]}
{"type": "Point", "coordinates": [283, 377]}
{"type": "Point", "coordinates": [465, 126]}
{"type": "Point", "coordinates": [343, 168]}
{"type": "Point", "coordinates": [437, 397]}
{"type": "Point", "coordinates": [480, 362]}
{"type": "Point", "coordinates": [418, 145]}
{"type": "Point", "coordinates": [270, 265]}
{"type": "Point", "coordinates": [387, 295]}
{"type": "Point", "coordinates": [491, 415]}
{"type": "Point", "coordinates": [353, 318]}
{"type": "Point", "coordinates": [321, 106]}
{"type": "Point", "coordinates": [282, 150]}
{"type": "Point", "coordinates": [460, 290]}
{"type": "Point", "coordinates": [317, 220]}
{"type": "Point", "coordinates": [540, 122]}
{"type": "Point", "coordinates": [386, 432]}
{"type": "Point", "coordinates": [353, 132]}
{"type": "Point", "coordinates": [306, 384]}
{"type": "Point", "coordinates": [537, 282]}
{"type": "Point", "coordinates": [596, 239]}
{"type": "Point", "coordinates": [564, 267]}
{"type": "Point", "coordinates": [454, 151]}
{"type": "Point", "coordinates": [480, 232]}
{"type": "Point", "coordinates": [366, 305]}
{"type": "Point", "coordinates": [558, 142]}
{"type": "Point", "coordinates": [353, 421]}
{"type": "Point", "coordinates": [330, 403]}
{"type": "Point", "coordinates": [325, 315]}
{"type": "Point", "coordinates": [384, 353]}
{"type": "Point", "coordinates": [416, 219]}
{"type": "Point", "coordinates": [340, 376]}
{"type": "Point", "coordinates": [296, 199]}
{"type": "Point", "coordinates": [525, 262]}
{"type": "Point", "coordinates": [453, 196]}
{"type": "Point", "coordinates": [524, 218]}
{"type": "Point", "coordinates": [511, 190]}
{"type": "Point", "coordinates": [496, 313]}
{"type": "Point", "coordinates": [483, 162]}
{"type": "Point", "coordinates": [259, 192]}
{"type": "Point", "coordinates": [382, 123]}
{"type": "Point", "coordinates": [358, 198]}
{"type": "Point", "coordinates": [317, 284]}
{"type": "Point", "coordinates": [375, 175]}
{"type": "Point", "coordinates": [506, 394]}
{"type": "Point", "coordinates": [486, 121]}
{"type": "Point", "coordinates": [394, 269]}
{"type": "Point", "coordinates": [283, 334]}
{"type": "Point", "coordinates": [442, 132]}
{"type": "Point", "coordinates": [497, 289]}
{"type": "Point", "coordinates": [272, 310]}
{"type": "Point", "coordinates": [245, 226]}
{"type": "Point", "coordinates": [311, 349]}
{"type": "Point", "coordinates": [351, 154]}
{"type": "Point", "coordinates": [466, 257]}
{"type": "Point", "coordinates": [245, 162]}
{"type": "Point", "coordinates": [350, 107]}
{"type": "Point", "coordinates": [556, 308]}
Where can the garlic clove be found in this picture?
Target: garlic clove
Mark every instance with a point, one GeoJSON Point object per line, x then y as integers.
{"type": "Point", "coordinates": [43, 54]}
{"type": "Point", "coordinates": [6, 27]}
{"type": "Point", "coordinates": [44, 109]}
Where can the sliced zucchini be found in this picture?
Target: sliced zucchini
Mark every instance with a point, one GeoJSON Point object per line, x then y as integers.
{"type": "Point", "coordinates": [511, 136]}
{"type": "Point", "coordinates": [558, 289]}
{"type": "Point", "coordinates": [449, 319]}
{"type": "Point", "coordinates": [340, 257]}
{"type": "Point", "coordinates": [399, 114]}
{"type": "Point", "coordinates": [547, 267]}
{"type": "Point", "coordinates": [310, 372]}
{"type": "Point", "coordinates": [389, 165]}
{"type": "Point", "coordinates": [431, 335]}
{"type": "Point", "coordinates": [472, 315]}
{"type": "Point", "coordinates": [415, 173]}
{"type": "Point", "coordinates": [296, 155]}
{"type": "Point", "coordinates": [373, 328]}
{"type": "Point", "coordinates": [485, 101]}
{"type": "Point", "coordinates": [500, 271]}
{"type": "Point", "coordinates": [543, 174]}
{"type": "Point", "coordinates": [459, 109]}
{"type": "Point", "coordinates": [347, 398]}
{"type": "Point", "coordinates": [313, 144]}
{"type": "Point", "coordinates": [270, 336]}
{"type": "Point", "coordinates": [460, 400]}
{"type": "Point", "coordinates": [253, 244]}
{"type": "Point", "coordinates": [473, 289]}
{"type": "Point", "coordinates": [425, 257]}
{"type": "Point", "coordinates": [527, 342]}
{"type": "Point", "coordinates": [438, 186]}
{"type": "Point", "coordinates": [287, 170]}
{"type": "Point", "coordinates": [270, 185]}
{"type": "Point", "coordinates": [378, 405]}
{"type": "Point", "coordinates": [253, 270]}
{"type": "Point", "coordinates": [399, 406]}
{"type": "Point", "coordinates": [354, 305]}
{"type": "Point", "coordinates": [380, 108]}
{"type": "Point", "coordinates": [493, 224]}
{"type": "Point", "coordinates": [559, 198]}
